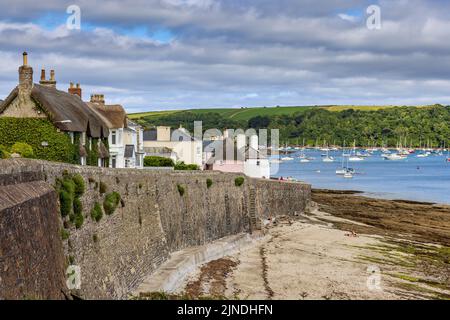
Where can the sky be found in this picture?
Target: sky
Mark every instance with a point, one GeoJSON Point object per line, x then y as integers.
{"type": "Point", "coordinates": [179, 54]}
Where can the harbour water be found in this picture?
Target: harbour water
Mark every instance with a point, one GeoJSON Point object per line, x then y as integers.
{"type": "Point", "coordinates": [418, 179]}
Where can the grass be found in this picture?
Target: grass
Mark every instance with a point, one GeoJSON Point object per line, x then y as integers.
{"type": "Point", "coordinates": [248, 113]}
{"type": "Point", "coordinates": [230, 113]}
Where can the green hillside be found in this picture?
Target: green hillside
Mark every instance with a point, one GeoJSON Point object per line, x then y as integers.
{"type": "Point", "coordinates": [245, 114]}
{"type": "Point", "coordinates": [378, 125]}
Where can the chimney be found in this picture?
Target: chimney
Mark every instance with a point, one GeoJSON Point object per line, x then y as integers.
{"type": "Point", "coordinates": [75, 90]}
{"type": "Point", "coordinates": [98, 98]}
{"type": "Point", "coordinates": [48, 83]}
{"type": "Point", "coordinates": [25, 77]}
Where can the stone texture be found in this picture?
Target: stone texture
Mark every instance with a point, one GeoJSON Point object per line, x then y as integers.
{"type": "Point", "coordinates": [117, 253]}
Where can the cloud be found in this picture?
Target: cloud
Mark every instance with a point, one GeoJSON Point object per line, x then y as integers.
{"type": "Point", "coordinates": [161, 54]}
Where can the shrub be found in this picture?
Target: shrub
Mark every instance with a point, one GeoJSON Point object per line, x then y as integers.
{"type": "Point", "coordinates": [79, 185]}
{"type": "Point", "coordinates": [64, 234]}
{"type": "Point", "coordinates": [79, 219]}
{"type": "Point", "coordinates": [68, 185]}
{"type": "Point", "coordinates": [4, 153]}
{"type": "Point", "coordinates": [96, 212]}
{"type": "Point", "coordinates": [154, 161]}
{"type": "Point", "coordinates": [103, 187]}
{"type": "Point", "coordinates": [111, 202]}
{"type": "Point", "coordinates": [209, 183]}
{"type": "Point", "coordinates": [66, 200]}
{"type": "Point", "coordinates": [180, 189]}
{"type": "Point", "coordinates": [186, 167]}
{"type": "Point", "coordinates": [239, 181]}
{"type": "Point", "coordinates": [24, 149]}
{"type": "Point", "coordinates": [77, 206]}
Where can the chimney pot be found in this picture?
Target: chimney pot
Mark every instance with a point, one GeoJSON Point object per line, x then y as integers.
{"type": "Point", "coordinates": [43, 75]}
{"type": "Point", "coordinates": [76, 90]}
{"type": "Point", "coordinates": [52, 75]}
{"type": "Point", "coordinates": [25, 58]}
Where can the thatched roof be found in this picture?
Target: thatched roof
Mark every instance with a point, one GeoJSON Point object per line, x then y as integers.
{"type": "Point", "coordinates": [114, 114]}
{"type": "Point", "coordinates": [67, 112]}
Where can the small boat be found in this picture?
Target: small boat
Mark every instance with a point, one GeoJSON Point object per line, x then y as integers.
{"type": "Point", "coordinates": [423, 155]}
{"type": "Point", "coordinates": [304, 160]}
{"type": "Point", "coordinates": [354, 156]}
{"type": "Point", "coordinates": [287, 159]}
{"type": "Point", "coordinates": [328, 159]}
{"type": "Point", "coordinates": [348, 175]}
{"type": "Point", "coordinates": [394, 157]}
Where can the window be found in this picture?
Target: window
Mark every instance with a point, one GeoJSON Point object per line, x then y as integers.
{"type": "Point", "coordinates": [113, 137]}
{"type": "Point", "coordinates": [180, 139]}
{"type": "Point", "coordinates": [113, 161]}
{"type": "Point", "coordinates": [83, 138]}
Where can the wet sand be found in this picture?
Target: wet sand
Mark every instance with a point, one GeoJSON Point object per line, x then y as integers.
{"type": "Point", "coordinates": [346, 247]}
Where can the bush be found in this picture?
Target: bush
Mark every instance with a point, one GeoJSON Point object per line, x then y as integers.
{"type": "Point", "coordinates": [79, 219]}
{"type": "Point", "coordinates": [103, 187]}
{"type": "Point", "coordinates": [24, 149]}
{"type": "Point", "coordinates": [4, 152]}
{"type": "Point", "coordinates": [64, 234]}
{"type": "Point", "coordinates": [96, 212]}
{"type": "Point", "coordinates": [77, 206]}
{"type": "Point", "coordinates": [79, 185]}
{"type": "Point", "coordinates": [111, 202]}
{"type": "Point", "coordinates": [186, 167]}
{"type": "Point", "coordinates": [239, 181]}
{"type": "Point", "coordinates": [180, 189]}
{"type": "Point", "coordinates": [66, 200]}
{"type": "Point", "coordinates": [153, 161]}
{"type": "Point", "coordinates": [209, 183]}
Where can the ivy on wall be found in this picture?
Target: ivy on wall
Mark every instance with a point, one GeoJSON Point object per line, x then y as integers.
{"type": "Point", "coordinates": [92, 153]}
{"type": "Point", "coordinates": [42, 135]}
{"type": "Point", "coordinates": [46, 141]}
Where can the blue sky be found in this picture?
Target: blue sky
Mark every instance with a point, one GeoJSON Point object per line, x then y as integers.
{"type": "Point", "coordinates": [173, 54]}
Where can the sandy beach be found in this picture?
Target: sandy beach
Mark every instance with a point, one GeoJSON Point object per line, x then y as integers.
{"type": "Point", "coordinates": [345, 247]}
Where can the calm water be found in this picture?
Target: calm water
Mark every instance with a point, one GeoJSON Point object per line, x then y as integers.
{"type": "Point", "coordinates": [420, 179]}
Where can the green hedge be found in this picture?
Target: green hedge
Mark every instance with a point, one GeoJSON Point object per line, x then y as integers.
{"type": "Point", "coordinates": [154, 161]}
{"type": "Point", "coordinates": [186, 167]}
{"type": "Point", "coordinates": [35, 131]}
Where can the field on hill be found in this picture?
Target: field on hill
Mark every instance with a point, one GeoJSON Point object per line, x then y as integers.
{"type": "Point", "coordinates": [247, 113]}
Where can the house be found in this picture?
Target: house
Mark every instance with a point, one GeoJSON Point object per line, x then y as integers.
{"type": "Point", "coordinates": [235, 155]}
{"type": "Point", "coordinates": [67, 112]}
{"type": "Point", "coordinates": [134, 145]}
{"type": "Point", "coordinates": [180, 143]}
{"type": "Point", "coordinates": [116, 119]}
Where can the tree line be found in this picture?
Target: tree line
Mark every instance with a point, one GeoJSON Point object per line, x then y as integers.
{"type": "Point", "coordinates": [410, 126]}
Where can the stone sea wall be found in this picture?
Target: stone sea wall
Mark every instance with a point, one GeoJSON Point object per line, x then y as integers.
{"type": "Point", "coordinates": [153, 219]}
